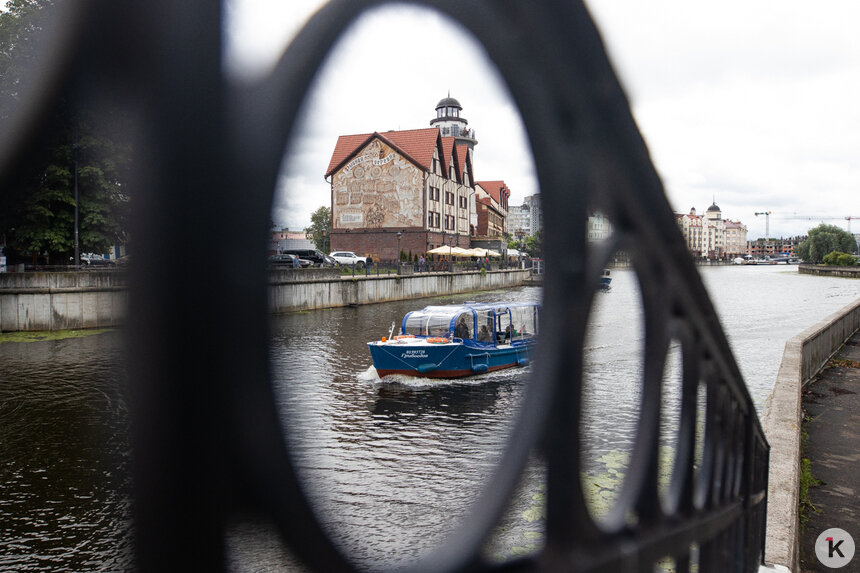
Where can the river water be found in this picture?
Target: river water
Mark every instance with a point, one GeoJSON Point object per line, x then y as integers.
{"type": "Point", "coordinates": [389, 465]}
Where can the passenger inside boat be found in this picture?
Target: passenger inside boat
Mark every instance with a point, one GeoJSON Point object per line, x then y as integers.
{"type": "Point", "coordinates": [462, 328]}
{"type": "Point", "coordinates": [484, 334]}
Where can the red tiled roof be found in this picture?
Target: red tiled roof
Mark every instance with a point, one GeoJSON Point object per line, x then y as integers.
{"type": "Point", "coordinates": [416, 145]}
{"type": "Point", "coordinates": [346, 145]}
{"type": "Point", "coordinates": [495, 189]}
{"type": "Point", "coordinates": [462, 155]}
{"type": "Point", "coordinates": [448, 152]}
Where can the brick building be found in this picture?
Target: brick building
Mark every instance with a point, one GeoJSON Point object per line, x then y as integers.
{"type": "Point", "coordinates": [491, 198]}
{"type": "Point", "coordinates": [414, 182]}
{"type": "Point", "coordinates": [413, 187]}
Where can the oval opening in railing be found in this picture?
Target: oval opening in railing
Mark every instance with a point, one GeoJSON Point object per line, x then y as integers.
{"type": "Point", "coordinates": [613, 358]}
{"type": "Point", "coordinates": [402, 329]}
{"type": "Point", "coordinates": [670, 424]}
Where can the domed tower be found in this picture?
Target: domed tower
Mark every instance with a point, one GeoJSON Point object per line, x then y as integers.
{"type": "Point", "coordinates": [714, 212]}
{"type": "Point", "coordinates": [451, 124]}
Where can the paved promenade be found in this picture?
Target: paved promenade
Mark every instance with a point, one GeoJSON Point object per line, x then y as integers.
{"type": "Point", "coordinates": [832, 406]}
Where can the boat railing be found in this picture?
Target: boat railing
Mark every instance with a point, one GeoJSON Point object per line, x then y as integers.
{"type": "Point", "coordinates": [208, 444]}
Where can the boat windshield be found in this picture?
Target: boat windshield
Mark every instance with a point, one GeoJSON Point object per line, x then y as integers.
{"type": "Point", "coordinates": [432, 321]}
{"type": "Point", "coordinates": [524, 321]}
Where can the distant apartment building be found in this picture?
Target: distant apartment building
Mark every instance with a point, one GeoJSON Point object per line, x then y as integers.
{"type": "Point", "coordinates": [598, 228]}
{"type": "Point", "coordinates": [526, 219]}
{"type": "Point", "coordinates": [519, 221]}
{"type": "Point", "coordinates": [709, 236]}
{"type": "Point", "coordinates": [736, 239]}
{"type": "Point", "coordinates": [781, 247]}
{"type": "Point", "coordinates": [285, 239]}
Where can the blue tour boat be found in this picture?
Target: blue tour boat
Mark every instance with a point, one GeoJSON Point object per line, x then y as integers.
{"type": "Point", "coordinates": [459, 340]}
{"type": "Point", "coordinates": [605, 279]}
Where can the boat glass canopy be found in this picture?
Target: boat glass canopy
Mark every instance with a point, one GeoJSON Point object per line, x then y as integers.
{"type": "Point", "coordinates": [498, 323]}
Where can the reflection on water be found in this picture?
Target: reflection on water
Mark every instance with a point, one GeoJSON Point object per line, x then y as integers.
{"type": "Point", "coordinates": [64, 503]}
{"type": "Point", "coordinates": [389, 466]}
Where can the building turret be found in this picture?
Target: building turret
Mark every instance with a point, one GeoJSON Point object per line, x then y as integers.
{"type": "Point", "coordinates": [452, 124]}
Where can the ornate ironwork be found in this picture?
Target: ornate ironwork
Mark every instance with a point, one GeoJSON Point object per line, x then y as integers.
{"type": "Point", "coordinates": [208, 445]}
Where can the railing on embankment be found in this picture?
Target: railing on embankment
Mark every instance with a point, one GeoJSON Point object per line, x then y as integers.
{"type": "Point", "coordinates": [804, 356]}
{"type": "Point", "coordinates": [290, 290]}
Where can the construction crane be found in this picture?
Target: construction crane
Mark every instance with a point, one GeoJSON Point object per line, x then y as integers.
{"type": "Point", "coordinates": [767, 215]}
{"type": "Point", "coordinates": [822, 219]}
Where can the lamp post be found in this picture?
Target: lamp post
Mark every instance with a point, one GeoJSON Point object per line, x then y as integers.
{"type": "Point", "coordinates": [324, 233]}
{"type": "Point", "coordinates": [399, 234]}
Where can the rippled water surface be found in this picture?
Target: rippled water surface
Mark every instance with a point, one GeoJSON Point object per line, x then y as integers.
{"type": "Point", "coordinates": [64, 503]}
{"type": "Point", "coordinates": [388, 465]}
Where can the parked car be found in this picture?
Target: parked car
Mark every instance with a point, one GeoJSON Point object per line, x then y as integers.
{"type": "Point", "coordinates": [90, 259]}
{"type": "Point", "coordinates": [349, 258]}
{"type": "Point", "coordinates": [317, 258]}
{"type": "Point", "coordinates": [288, 260]}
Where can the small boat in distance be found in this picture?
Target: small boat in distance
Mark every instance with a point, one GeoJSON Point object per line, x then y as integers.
{"type": "Point", "coordinates": [453, 341]}
{"type": "Point", "coordinates": [605, 279]}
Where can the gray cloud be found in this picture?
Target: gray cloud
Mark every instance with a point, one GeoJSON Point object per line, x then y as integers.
{"type": "Point", "coordinates": [754, 104]}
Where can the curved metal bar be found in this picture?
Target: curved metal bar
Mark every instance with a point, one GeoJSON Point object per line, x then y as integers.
{"type": "Point", "coordinates": [208, 441]}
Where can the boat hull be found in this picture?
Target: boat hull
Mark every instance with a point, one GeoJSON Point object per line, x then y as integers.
{"type": "Point", "coordinates": [447, 360]}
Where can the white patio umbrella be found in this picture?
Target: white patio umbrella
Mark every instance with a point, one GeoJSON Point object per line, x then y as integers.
{"type": "Point", "coordinates": [452, 251]}
{"type": "Point", "coordinates": [438, 251]}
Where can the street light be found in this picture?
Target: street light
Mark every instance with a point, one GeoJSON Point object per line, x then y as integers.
{"type": "Point", "coordinates": [399, 234]}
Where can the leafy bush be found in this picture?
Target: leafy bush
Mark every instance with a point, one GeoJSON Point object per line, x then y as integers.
{"type": "Point", "coordinates": [835, 258]}
{"type": "Point", "coordinates": [846, 260]}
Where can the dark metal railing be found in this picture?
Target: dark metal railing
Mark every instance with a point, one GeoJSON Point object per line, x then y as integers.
{"type": "Point", "coordinates": [208, 445]}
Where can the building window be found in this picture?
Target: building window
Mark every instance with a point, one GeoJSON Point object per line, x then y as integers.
{"type": "Point", "coordinates": [434, 193]}
{"type": "Point", "coordinates": [449, 198]}
{"type": "Point", "coordinates": [436, 220]}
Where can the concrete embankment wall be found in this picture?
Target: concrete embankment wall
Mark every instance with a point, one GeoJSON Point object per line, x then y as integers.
{"type": "Point", "coordinates": [828, 271]}
{"type": "Point", "coordinates": [98, 299]}
{"type": "Point", "coordinates": [59, 301]}
{"type": "Point", "coordinates": [804, 356]}
{"type": "Point", "coordinates": [290, 290]}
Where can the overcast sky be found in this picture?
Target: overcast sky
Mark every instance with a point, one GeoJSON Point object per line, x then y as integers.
{"type": "Point", "coordinates": [753, 104]}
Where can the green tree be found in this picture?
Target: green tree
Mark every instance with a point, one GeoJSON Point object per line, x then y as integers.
{"type": "Point", "coordinates": [532, 245]}
{"type": "Point", "coordinates": [320, 228]}
{"type": "Point", "coordinates": [822, 240]}
{"type": "Point", "coordinates": [39, 207]}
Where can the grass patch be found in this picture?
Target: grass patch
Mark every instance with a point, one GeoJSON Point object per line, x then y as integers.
{"type": "Point", "coordinates": [807, 479]}
{"type": "Point", "coordinates": [42, 335]}
{"type": "Point", "coordinates": [844, 363]}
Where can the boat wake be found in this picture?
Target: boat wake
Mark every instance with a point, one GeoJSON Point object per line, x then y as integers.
{"type": "Point", "coordinates": [403, 380]}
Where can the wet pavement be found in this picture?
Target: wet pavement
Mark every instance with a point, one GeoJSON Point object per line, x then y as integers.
{"type": "Point", "coordinates": [831, 405]}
